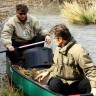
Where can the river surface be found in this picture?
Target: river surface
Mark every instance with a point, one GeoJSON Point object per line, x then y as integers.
{"type": "Point", "coordinates": [84, 34]}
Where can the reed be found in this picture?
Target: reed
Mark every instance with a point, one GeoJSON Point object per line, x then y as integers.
{"type": "Point", "coordinates": [76, 13]}
{"type": "Point", "coordinates": [7, 89]}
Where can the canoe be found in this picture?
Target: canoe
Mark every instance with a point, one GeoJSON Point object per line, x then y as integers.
{"type": "Point", "coordinates": [29, 86]}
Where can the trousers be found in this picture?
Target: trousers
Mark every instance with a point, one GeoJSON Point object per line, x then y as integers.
{"type": "Point", "coordinates": [15, 56]}
{"type": "Point", "coordinates": [78, 87]}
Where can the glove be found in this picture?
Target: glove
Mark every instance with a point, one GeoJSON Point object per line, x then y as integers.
{"type": "Point", "coordinates": [93, 91]}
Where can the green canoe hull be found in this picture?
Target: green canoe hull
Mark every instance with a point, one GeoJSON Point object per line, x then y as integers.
{"type": "Point", "coordinates": [29, 87]}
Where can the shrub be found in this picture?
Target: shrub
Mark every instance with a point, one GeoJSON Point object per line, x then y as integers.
{"type": "Point", "coordinates": [78, 14]}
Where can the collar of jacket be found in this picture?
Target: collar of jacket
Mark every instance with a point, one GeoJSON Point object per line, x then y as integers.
{"type": "Point", "coordinates": [65, 49]}
{"type": "Point", "coordinates": [17, 20]}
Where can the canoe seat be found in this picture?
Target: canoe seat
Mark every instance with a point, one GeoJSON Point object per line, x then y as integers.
{"type": "Point", "coordinates": [38, 57]}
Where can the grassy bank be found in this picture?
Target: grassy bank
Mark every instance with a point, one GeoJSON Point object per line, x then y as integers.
{"type": "Point", "coordinates": [7, 89]}
{"type": "Point", "coordinates": [79, 13]}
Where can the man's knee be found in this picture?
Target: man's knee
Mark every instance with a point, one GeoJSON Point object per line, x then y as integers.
{"type": "Point", "coordinates": [84, 86]}
{"type": "Point", "coordinates": [55, 84]}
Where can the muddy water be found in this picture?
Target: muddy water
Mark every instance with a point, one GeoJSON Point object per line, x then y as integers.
{"type": "Point", "coordinates": [86, 35]}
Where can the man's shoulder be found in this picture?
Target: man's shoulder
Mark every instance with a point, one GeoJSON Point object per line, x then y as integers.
{"type": "Point", "coordinates": [77, 46]}
{"type": "Point", "coordinates": [78, 49]}
{"type": "Point", "coordinates": [11, 19]}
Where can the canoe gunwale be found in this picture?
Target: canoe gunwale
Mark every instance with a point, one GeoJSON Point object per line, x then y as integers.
{"type": "Point", "coordinates": [29, 79]}
{"type": "Point", "coordinates": [37, 84]}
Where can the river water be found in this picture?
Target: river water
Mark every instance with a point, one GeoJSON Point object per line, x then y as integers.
{"type": "Point", "coordinates": [84, 34]}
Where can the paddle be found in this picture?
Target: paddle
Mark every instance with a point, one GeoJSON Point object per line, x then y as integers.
{"type": "Point", "coordinates": [26, 46]}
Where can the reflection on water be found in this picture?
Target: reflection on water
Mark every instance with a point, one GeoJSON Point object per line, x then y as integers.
{"type": "Point", "coordinates": [83, 34]}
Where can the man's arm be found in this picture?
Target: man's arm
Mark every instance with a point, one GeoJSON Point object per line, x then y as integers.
{"type": "Point", "coordinates": [6, 34]}
{"type": "Point", "coordinates": [88, 67]}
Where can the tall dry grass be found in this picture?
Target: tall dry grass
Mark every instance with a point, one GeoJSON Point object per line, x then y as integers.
{"type": "Point", "coordinates": [78, 14]}
{"type": "Point", "coordinates": [7, 89]}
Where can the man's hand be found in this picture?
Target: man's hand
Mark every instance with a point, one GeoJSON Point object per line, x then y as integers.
{"type": "Point", "coordinates": [41, 76]}
{"type": "Point", "coordinates": [48, 39]}
{"type": "Point", "coordinates": [93, 91]}
{"type": "Point", "coordinates": [10, 48]}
